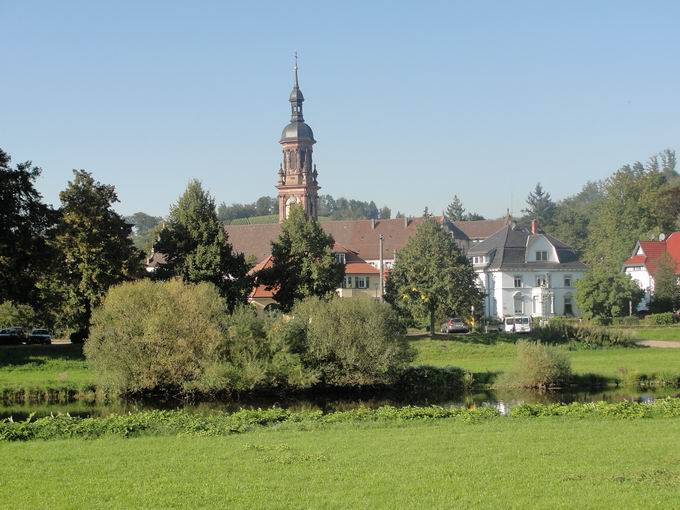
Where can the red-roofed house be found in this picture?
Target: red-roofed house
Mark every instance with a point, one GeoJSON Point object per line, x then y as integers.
{"type": "Point", "coordinates": [361, 278]}
{"type": "Point", "coordinates": [641, 266]}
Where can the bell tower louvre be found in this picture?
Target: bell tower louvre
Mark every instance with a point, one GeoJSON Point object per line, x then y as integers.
{"type": "Point", "coordinates": [297, 174]}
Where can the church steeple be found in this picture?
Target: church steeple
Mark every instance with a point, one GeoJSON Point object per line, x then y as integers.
{"type": "Point", "coordinates": [296, 97]}
{"type": "Point", "coordinates": [297, 183]}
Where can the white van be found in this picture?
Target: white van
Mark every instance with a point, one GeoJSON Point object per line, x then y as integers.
{"type": "Point", "coordinates": [517, 324]}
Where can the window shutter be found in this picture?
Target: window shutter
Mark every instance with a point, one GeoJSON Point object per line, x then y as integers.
{"type": "Point", "coordinates": [367, 285]}
{"type": "Point", "coordinates": [356, 282]}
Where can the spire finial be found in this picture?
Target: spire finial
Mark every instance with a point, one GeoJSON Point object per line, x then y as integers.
{"type": "Point", "coordinates": [296, 70]}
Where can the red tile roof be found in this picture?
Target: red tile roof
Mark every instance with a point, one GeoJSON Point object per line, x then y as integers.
{"type": "Point", "coordinates": [652, 251]}
{"type": "Point", "coordinates": [361, 236]}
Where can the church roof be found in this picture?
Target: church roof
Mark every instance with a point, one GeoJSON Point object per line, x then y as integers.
{"type": "Point", "coordinates": [297, 131]}
{"type": "Point", "coordinates": [360, 236]}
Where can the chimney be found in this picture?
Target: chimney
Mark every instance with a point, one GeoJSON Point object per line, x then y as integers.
{"type": "Point", "coordinates": [534, 227]}
{"type": "Point", "coordinates": [372, 223]}
{"type": "Point", "coordinates": [405, 221]}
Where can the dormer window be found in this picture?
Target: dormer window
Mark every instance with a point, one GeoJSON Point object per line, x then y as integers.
{"type": "Point", "coordinates": [541, 256]}
{"type": "Point", "coordinates": [479, 260]}
{"type": "Point", "coordinates": [340, 258]}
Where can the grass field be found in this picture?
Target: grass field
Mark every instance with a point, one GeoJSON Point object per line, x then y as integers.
{"type": "Point", "coordinates": [499, 357]}
{"type": "Point", "coordinates": [44, 366]}
{"type": "Point", "coordinates": [664, 334]}
{"type": "Point", "coordinates": [501, 463]}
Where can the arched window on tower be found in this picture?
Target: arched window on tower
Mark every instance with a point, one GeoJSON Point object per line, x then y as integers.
{"type": "Point", "coordinates": [290, 203]}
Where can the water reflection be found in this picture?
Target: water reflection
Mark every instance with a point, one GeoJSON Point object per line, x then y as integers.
{"type": "Point", "coordinates": [503, 400]}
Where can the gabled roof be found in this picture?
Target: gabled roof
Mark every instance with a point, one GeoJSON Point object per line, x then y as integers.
{"type": "Point", "coordinates": [361, 236]}
{"type": "Point", "coordinates": [507, 249]}
{"type": "Point", "coordinates": [648, 253]}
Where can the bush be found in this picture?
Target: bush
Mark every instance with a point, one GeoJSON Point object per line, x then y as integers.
{"type": "Point", "coordinates": [538, 366]}
{"type": "Point", "coordinates": [661, 319]}
{"type": "Point", "coordinates": [349, 342]}
{"type": "Point", "coordinates": [12, 314]}
{"type": "Point", "coordinates": [631, 320]}
{"type": "Point", "coordinates": [563, 331]}
{"type": "Point", "coordinates": [152, 336]}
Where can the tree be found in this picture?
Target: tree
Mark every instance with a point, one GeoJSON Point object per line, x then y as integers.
{"type": "Point", "coordinates": [264, 206]}
{"type": "Point", "coordinates": [455, 211]}
{"type": "Point", "coordinates": [603, 295]}
{"type": "Point", "coordinates": [630, 209]}
{"type": "Point", "coordinates": [666, 296]}
{"type": "Point", "coordinates": [474, 217]}
{"type": "Point", "coordinates": [372, 212]}
{"type": "Point", "coordinates": [431, 277]}
{"type": "Point", "coordinates": [573, 216]}
{"type": "Point", "coordinates": [25, 226]}
{"type": "Point", "coordinates": [196, 247]}
{"type": "Point", "coordinates": [94, 245]}
{"type": "Point", "coordinates": [302, 262]}
{"type": "Point", "coordinates": [145, 230]}
{"type": "Point", "coordinates": [385, 213]}
{"type": "Point", "coordinates": [540, 206]}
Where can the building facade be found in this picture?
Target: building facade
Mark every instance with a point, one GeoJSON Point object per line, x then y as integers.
{"type": "Point", "coordinates": [526, 272]}
{"type": "Point", "coordinates": [641, 265]}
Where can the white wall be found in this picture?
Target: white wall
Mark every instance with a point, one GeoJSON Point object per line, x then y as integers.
{"type": "Point", "coordinates": [641, 276]}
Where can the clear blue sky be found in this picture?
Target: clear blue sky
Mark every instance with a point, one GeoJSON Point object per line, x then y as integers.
{"type": "Point", "coordinates": [409, 102]}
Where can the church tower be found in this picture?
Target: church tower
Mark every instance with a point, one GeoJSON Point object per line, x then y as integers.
{"type": "Point", "coordinates": [297, 174]}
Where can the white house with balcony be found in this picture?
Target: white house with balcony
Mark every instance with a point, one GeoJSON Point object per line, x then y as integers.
{"type": "Point", "coordinates": [526, 272]}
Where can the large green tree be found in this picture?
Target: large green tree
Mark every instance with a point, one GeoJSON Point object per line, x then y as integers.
{"type": "Point", "coordinates": [94, 246]}
{"type": "Point", "coordinates": [455, 211]}
{"type": "Point", "coordinates": [604, 294]}
{"type": "Point", "coordinates": [540, 206]}
{"type": "Point", "coordinates": [302, 262]}
{"type": "Point", "coordinates": [666, 296]}
{"type": "Point", "coordinates": [145, 229]}
{"type": "Point", "coordinates": [431, 277]}
{"type": "Point", "coordinates": [25, 226]}
{"type": "Point", "coordinates": [196, 247]}
{"type": "Point", "coordinates": [631, 209]}
{"type": "Point", "coordinates": [573, 216]}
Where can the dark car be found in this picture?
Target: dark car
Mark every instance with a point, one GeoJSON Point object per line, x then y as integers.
{"type": "Point", "coordinates": [12, 336]}
{"type": "Point", "coordinates": [39, 336]}
{"type": "Point", "coordinates": [455, 325]}
{"type": "Point", "coordinates": [78, 337]}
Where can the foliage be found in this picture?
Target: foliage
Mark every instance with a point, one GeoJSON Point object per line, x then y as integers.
{"type": "Point", "coordinates": [605, 294]}
{"type": "Point", "coordinates": [538, 366]}
{"type": "Point", "coordinates": [13, 314]}
{"type": "Point", "coordinates": [431, 277]}
{"type": "Point", "coordinates": [561, 331]}
{"type": "Point", "coordinates": [455, 211]}
{"type": "Point", "coordinates": [196, 247]}
{"type": "Point", "coordinates": [540, 206]}
{"type": "Point", "coordinates": [302, 262]}
{"type": "Point", "coordinates": [156, 336]}
{"type": "Point", "coordinates": [94, 246]}
{"type": "Point", "coordinates": [573, 215]}
{"type": "Point", "coordinates": [165, 423]}
{"type": "Point", "coordinates": [631, 209]}
{"type": "Point", "coordinates": [349, 342]}
{"type": "Point", "coordinates": [663, 319]}
{"type": "Point", "coordinates": [25, 227]}
{"type": "Point", "coordinates": [145, 230]}
{"type": "Point", "coordinates": [666, 296]}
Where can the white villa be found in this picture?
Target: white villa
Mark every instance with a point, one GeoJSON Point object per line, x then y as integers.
{"type": "Point", "coordinates": [526, 273]}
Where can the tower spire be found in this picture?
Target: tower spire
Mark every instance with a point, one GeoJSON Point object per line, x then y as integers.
{"type": "Point", "coordinates": [296, 71]}
{"type": "Point", "coordinates": [296, 97]}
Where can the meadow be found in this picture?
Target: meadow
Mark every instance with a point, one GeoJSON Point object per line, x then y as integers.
{"type": "Point", "coordinates": [499, 463]}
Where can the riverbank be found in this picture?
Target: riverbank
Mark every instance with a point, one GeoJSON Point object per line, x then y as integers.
{"type": "Point", "coordinates": [554, 462]}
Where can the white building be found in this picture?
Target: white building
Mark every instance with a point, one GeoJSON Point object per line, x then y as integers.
{"type": "Point", "coordinates": [641, 266]}
{"type": "Point", "coordinates": [526, 273]}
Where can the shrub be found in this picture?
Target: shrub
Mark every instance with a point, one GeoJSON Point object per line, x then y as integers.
{"type": "Point", "coordinates": [661, 319]}
{"type": "Point", "coordinates": [538, 366]}
{"type": "Point", "coordinates": [12, 314]}
{"type": "Point", "coordinates": [349, 342]}
{"type": "Point", "coordinates": [562, 331]}
{"type": "Point", "coordinates": [631, 320]}
{"type": "Point", "coordinates": [152, 336]}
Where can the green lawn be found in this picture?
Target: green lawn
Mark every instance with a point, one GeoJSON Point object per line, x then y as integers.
{"type": "Point", "coordinates": [501, 463]}
{"type": "Point", "coordinates": [664, 334]}
{"type": "Point", "coordinates": [499, 357]}
{"type": "Point", "coordinates": [51, 366]}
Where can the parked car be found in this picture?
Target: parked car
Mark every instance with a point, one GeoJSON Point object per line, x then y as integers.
{"type": "Point", "coordinates": [12, 336]}
{"type": "Point", "coordinates": [454, 325]}
{"type": "Point", "coordinates": [518, 324]}
{"type": "Point", "coordinates": [78, 337]}
{"type": "Point", "coordinates": [39, 336]}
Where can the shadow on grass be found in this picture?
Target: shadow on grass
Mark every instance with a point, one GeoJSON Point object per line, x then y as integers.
{"type": "Point", "coordinates": [17, 355]}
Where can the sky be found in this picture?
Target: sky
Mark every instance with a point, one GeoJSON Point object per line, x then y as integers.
{"type": "Point", "coordinates": [410, 102]}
